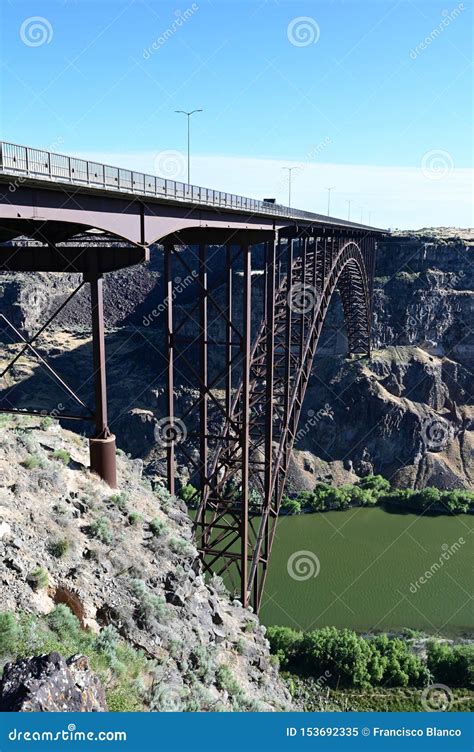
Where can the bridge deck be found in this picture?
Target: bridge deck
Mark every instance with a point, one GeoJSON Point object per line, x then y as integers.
{"type": "Point", "coordinates": [43, 168]}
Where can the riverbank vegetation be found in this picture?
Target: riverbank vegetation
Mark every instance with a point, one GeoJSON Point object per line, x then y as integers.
{"type": "Point", "coordinates": [342, 659]}
{"type": "Point", "coordinates": [374, 490]}
{"type": "Point", "coordinates": [371, 491]}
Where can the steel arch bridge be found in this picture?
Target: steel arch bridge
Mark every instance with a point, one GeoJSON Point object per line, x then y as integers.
{"type": "Point", "coordinates": [240, 348]}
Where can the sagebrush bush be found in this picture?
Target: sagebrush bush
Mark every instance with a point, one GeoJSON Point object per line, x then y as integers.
{"type": "Point", "coordinates": [100, 529]}
{"type": "Point", "coordinates": [59, 548]}
{"type": "Point", "coordinates": [39, 578]}
{"type": "Point", "coordinates": [62, 455]}
{"type": "Point", "coordinates": [150, 607]}
{"type": "Point", "coordinates": [158, 526]}
{"type": "Point", "coordinates": [31, 462]}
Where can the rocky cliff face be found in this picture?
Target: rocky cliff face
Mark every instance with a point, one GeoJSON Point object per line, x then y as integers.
{"type": "Point", "coordinates": [406, 414]}
{"type": "Point", "coordinates": [124, 562]}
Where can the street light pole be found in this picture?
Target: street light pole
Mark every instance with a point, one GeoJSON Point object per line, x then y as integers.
{"type": "Point", "coordinates": [349, 202]}
{"type": "Point", "coordinates": [188, 114]}
{"type": "Point", "coordinates": [329, 197]}
{"type": "Point", "coordinates": [290, 169]}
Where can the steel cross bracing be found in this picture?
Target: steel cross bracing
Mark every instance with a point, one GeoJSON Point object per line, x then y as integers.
{"type": "Point", "coordinates": [243, 380]}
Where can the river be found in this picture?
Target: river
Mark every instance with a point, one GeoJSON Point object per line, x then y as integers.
{"type": "Point", "coordinates": [364, 569]}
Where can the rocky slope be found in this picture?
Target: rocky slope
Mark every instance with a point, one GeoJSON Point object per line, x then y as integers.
{"type": "Point", "coordinates": [406, 414]}
{"type": "Point", "coordinates": [123, 560]}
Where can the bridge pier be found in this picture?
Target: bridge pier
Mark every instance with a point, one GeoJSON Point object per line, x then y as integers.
{"type": "Point", "coordinates": [102, 444]}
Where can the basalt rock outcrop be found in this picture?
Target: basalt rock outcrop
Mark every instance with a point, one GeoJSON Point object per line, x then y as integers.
{"type": "Point", "coordinates": [48, 683]}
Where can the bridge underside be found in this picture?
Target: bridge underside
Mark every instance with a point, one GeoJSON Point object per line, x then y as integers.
{"type": "Point", "coordinates": [241, 353]}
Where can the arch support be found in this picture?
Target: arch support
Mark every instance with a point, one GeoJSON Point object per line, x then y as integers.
{"type": "Point", "coordinates": [239, 501]}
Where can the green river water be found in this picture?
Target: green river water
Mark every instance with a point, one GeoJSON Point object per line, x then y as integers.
{"type": "Point", "coordinates": [370, 563]}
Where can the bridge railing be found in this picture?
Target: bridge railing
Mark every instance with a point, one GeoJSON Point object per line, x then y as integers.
{"type": "Point", "coordinates": [28, 162]}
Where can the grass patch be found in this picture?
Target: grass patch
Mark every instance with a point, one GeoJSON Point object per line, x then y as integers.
{"type": "Point", "coordinates": [31, 462]}
{"type": "Point", "coordinates": [120, 500]}
{"type": "Point", "coordinates": [59, 548]}
{"type": "Point", "coordinates": [135, 518]}
{"type": "Point", "coordinates": [39, 578]}
{"type": "Point", "coordinates": [158, 527]}
{"type": "Point", "coordinates": [100, 529]}
{"type": "Point", "coordinates": [62, 456]}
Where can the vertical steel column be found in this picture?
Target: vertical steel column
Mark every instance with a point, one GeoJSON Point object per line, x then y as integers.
{"type": "Point", "coordinates": [102, 445]}
{"type": "Point", "coordinates": [270, 270]}
{"type": "Point", "coordinates": [229, 331]}
{"type": "Point", "coordinates": [304, 244]}
{"type": "Point", "coordinates": [170, 448]}
{"type": "Point", "coordinates": [245, 420]}
{"type": "Point", "coordinates": [203, 363]}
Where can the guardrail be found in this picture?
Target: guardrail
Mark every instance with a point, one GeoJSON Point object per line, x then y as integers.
{"type": "Point", "coordinates": [47, 165]}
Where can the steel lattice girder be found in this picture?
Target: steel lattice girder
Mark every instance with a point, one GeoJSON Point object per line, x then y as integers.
{"type": "Point", "coordinates": [247, 380]}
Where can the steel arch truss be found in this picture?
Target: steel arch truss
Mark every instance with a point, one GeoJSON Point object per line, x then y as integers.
{"type": "Point", "coordinates": [242, 350]}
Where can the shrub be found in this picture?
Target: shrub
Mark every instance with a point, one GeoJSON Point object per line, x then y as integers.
{"type": "Point", "coordinates": [8, 633]}
{"type": "Point", "coordinates": [189, 494]}
{"type": "Point", "coordinates": [135, 518]}
{"type": "Point", "coordinates": [39, 578]}
{"type": "Point", "coordinates": [285, 643]}
{"type": "Point", "coordinates": [181, 546]}
{"type": "Point", "coordinates": [150, 607]}
{"type": "Point", "coordinates": [59, 547]}
{"type": "Point", "coordinates": [453, 666]}
{"type": "Point", "coordinates": [62, 456]}
{"type": "Point", "coordinates": [31, 462]}
{"type": "Point", "coordinates": [290, 506]}
{"type": "Point", "coordinates": [226, 680]}
{"type": "Point", "coordinates": [374, 483]}
{"type": "Point", "coordinates": [158, 526]}
{"type": "Point", "coordinates": [120, 500]}
{"type": "Point", "coordinates": [100, 529]}
{"type": "Point", "coordinates": [107, 640]}
{"type": "Point", "coordinates": [62, 621]}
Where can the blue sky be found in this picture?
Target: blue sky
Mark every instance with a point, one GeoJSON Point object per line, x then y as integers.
{"type": "Point", "coordinates": [373, 98]}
